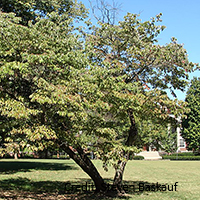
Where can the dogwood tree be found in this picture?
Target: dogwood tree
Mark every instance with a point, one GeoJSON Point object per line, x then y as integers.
{"type": "Point", "coordinates": [141, 71]}
{"type": "Point", "coordinates": [62, 86]}
{"type": "Point", "coordinates": [43, 63]}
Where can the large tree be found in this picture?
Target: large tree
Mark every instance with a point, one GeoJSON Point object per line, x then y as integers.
{"type": "Point", "coordinates": [191, 126]}
{"type": "Point", "coordinates": [43, 65]}
{"type": "Point", "coordinates": [62, 86]}
{"type": "Point", "coordinates": [141, 71]}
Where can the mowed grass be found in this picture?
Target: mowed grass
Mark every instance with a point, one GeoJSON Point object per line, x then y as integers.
{"type": "Point", "coordinates": [46, 179]}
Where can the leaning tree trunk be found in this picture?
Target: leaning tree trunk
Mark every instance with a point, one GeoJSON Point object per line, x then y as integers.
{"type": "Point", "coordinates": [133, 133]}
{"type": "Point", "coordinates": [86, 164]}
{"type": "Point", "coordinates": [119, 176]}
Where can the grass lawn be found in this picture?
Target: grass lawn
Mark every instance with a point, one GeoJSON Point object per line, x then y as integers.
{"type": "Point", "coordinates": [46, 179]}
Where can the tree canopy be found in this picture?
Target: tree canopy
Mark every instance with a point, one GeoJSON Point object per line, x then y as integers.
{"type": "Point", "coordinates": [141, 70]}
{"type": "Point", "coordinates": [33, 9]}
{"type": "Point", "coordinates": [158, 136]}
{"type": "Point", "coordinates": [35, 60]}
{"type": "Point", "coordinates": [65, 87]}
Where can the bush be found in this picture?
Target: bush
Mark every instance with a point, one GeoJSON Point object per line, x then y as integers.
{"type": "Point", "coordinates": [174, 157]}
{"type": "Point", "coordinates": [184, 154]}
{"type": "Point", "coordinates": [138, 158]}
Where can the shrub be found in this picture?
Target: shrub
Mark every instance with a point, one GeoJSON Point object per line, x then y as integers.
{"type": "Point", "coordinates": [173, 157]}
{"type": "Point", "coordinates": [184, 154]}
{"type": "Point", "coordinates": [138, 158]}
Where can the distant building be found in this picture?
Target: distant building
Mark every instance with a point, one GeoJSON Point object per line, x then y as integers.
{"type": "Point", "coordinates": [181, 144]}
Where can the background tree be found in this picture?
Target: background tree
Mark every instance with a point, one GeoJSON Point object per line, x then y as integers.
{"type": "Point", "coordinates": [191, 126]}
{"type": "Point", "coordinates": [158, 136]}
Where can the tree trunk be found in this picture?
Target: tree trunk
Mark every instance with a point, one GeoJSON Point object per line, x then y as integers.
{"type": "Point", "coordinates": [15, 156]}
{"type": "Point", "coordinates": [119, 176]}
{"type": "Point", "coordinates": [85, 163]}
{"type": "Point", "coordinates": [133, 133]}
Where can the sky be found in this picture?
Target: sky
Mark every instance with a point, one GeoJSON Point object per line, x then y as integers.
{"type": "Point", "coordinates": [181, 18]}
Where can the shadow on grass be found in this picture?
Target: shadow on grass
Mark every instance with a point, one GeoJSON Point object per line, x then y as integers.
{"type": "Point", "coordinates": [69, 189]}
{"type": "Point", "coordinates": [11, 167]}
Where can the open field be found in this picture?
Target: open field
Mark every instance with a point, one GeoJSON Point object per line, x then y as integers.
{"type": "Point", "coordinates": [46, 179]}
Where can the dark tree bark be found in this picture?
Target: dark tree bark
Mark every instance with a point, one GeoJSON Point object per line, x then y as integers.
{"type": "Point", "coordinates": [86, 164]}
{"type": "Point", "coordinates": [133, 133]}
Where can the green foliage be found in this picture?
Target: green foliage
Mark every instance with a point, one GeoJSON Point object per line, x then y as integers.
{"type": "Point", "coordinates": [132, 72]}
{"type": "Point", "coordinates": [183, 154]}
{"type": "Point", "coordinates": [32, 10]}
{"type": "Point", "coordinates": [59, 84]}
{"type": "Point", "coordinates": [40, 64]}
{"type": "Point", "coordinates": [138, 158]}
{"type": "Point", "coordinates": [132, 44]}
{"type": "Point", "coordinates": [158, 136]}
{"type": "Point", "coordinates": [181, 157]}
{"type": "Point", "coordinates": [191, 126]}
